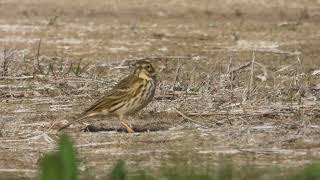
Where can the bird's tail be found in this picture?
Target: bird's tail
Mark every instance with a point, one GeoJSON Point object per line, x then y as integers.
{"type": "Point", "coordinates": [73, 121]}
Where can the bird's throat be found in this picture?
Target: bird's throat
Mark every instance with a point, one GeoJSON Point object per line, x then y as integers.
{"type": "Point", "coordinates": [144, 76]}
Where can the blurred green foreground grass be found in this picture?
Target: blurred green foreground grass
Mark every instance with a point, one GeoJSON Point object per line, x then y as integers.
{"type": "Point", "coordinates": [62, 165]}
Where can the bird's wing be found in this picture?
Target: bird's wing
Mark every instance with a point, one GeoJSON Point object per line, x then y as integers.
{"type": "Point", "coordinates": [113, 97]}
{"type": "Point", "coordinates": [116, 95]}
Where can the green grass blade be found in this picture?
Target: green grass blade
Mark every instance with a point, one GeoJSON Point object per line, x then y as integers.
{"type": "Point", "coordinates": [68, 158]}
{"type": "Point", "coordinates": [51, 167]}
{"type": "Point", "coordinates": [118, 172]}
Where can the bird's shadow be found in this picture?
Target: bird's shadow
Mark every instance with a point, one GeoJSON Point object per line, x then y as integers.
{"type": "Point", "coordinates": [92, 128]}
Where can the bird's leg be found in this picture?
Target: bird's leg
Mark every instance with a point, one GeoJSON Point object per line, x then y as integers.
{"type": "Point", "coordinates": [128, 128]}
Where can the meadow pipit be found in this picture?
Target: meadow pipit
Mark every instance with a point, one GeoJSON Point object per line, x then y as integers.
{"type": "Point", "coordinates": [127, 97]}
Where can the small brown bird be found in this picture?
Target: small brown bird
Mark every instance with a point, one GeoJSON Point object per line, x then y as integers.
{"type": "Point", "coordinates": [127, 97]}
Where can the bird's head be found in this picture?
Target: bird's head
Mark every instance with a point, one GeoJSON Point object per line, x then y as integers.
{"type": "Point", "coordinates": [144, 69]}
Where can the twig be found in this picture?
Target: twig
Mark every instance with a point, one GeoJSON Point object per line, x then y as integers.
{"type": "Point", "coordinates": [51, 68]}
{"type": "Point", "coordinates": [25, 63]}
{"type": "Point", "coordinates": [14, 86]}
{"type": "Point", "coordinates": [229, 65]}
{"type": "Point", "coordinates": [16, 78]}
{"type": "Point", "coordinates": [240, 67]}
{"type": "Point", "coordinates": [190, 119]}
{"type": "Point", "coordinates": [95, 144]}
{"type": "Point", "coordinates": [69, 69]}
{"type": "Point", "coordinates": [255, 151]}
{"type": "Point", "coordinates": [275, 51]}
{"type": "Point", "coordinates": [213, 114]}
{"type": "Point", "coordinates": [300, 64]}
{"type": "Point", "coordinates": [157, 141]}
{"type": "Point", "coordinates": [175, 57]}
{"type": "Point", "coordinates": [231, 75]}
{"type": "Point", "coordinates": [19, 170]}
{"type": "Point", "coordinates": [38, 57]}
{"type": "Point", "coordinates": [176, 77]}
{"type": "Point", "coordinates": [251, 76]}
{"type": "Point", "coordinates": [161, 57]}
{"type": "Point", "coordinates": [6, 61]}
{"type": "Point", "coordinates": [25, 149]}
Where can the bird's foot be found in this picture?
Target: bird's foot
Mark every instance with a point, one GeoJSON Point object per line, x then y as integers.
{"type": "Point", "coordinates": [128, 128]}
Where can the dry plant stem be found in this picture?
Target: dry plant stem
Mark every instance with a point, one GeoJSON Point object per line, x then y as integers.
{"type": "Point", "coordinates": [280, 52]}
{"type": "Point", "coordinates": [193, 76]}
{"type": "Point", "coordinates": [52, 71]}
{"type": "Point", "coordinates": [95, 144]}
{"type": "Point", "coordinates": [19, 170]}
{"type": "Point", "coordinates": [216, 114]}
{"type": "Point", "coordinates": [16, 78]}
{"type": "Point", "coordinates": [231, 75]}
{"type": "Point", "coordinates": [6, 61]}
{"type": "Point", "coordinates": [176, 77]}
{"type": "Point", "coordinates": [190, 119]}
{"type": "Point", "coordinates": [229, 65]}
{"type": "Point", "coordinates": [38, 57]}
{"type": "Point", "coordinates": [159, 58]}
{"type": "Point", "coordinates": [251, 76]}
{"type": "Point", "coordinates": [1, 129]}
{"type": "Point", "coordinates": [173, 57]}
{"type": "Point", "coordinates": [300, 63]}
{"type": "Point", "coordinates": [240, 67]}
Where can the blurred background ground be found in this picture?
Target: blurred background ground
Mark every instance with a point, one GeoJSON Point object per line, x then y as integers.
{"type": "Point", "coordinates": [237, 79]}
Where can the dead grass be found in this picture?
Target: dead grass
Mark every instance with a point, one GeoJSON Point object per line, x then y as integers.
{"type": "Point", "coordinates": [228, 86]}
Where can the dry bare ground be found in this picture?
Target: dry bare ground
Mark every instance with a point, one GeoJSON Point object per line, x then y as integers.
{"type": "Point", "coordinates": [236, 79]}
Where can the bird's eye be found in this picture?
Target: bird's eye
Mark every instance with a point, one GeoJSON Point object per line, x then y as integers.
{"type": "Point", "coordinates": [148, 66]}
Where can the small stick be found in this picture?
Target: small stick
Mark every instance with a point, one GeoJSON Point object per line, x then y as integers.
{"type": "Point", "coordinates": [240, 68]}
{"type": "Point", "coordinates": [16, 78]}
{"type": "Point", "coordinates": [190, 119]}
{"type": "Point", "coordinates": [95, 144]}
{"type": "Point", "coordinates": [229, 65]}
{"type": "Point", "coordinates": [231, 75]}
{"type": "Point", "coordinates": [38, 55]}
{"type": "Point", "coordinates": [5, 65]}
{"type": "Point", "coordinates": [251, 76]}
{"type": "Point", "coordinates": [287, 53]}
{"type": "Point", "coordinates": [19, 170]}
{"type": "Point", "coordinates": [159, 58]}
{"type": "Point", "coordinates": [176, 77]}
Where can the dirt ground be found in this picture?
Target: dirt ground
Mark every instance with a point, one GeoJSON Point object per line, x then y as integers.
{"type": "Point", "coordinates": [237, 80]}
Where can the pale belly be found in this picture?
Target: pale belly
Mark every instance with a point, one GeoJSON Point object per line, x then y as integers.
{"type": "Point", "coordinates": [135, 104]}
